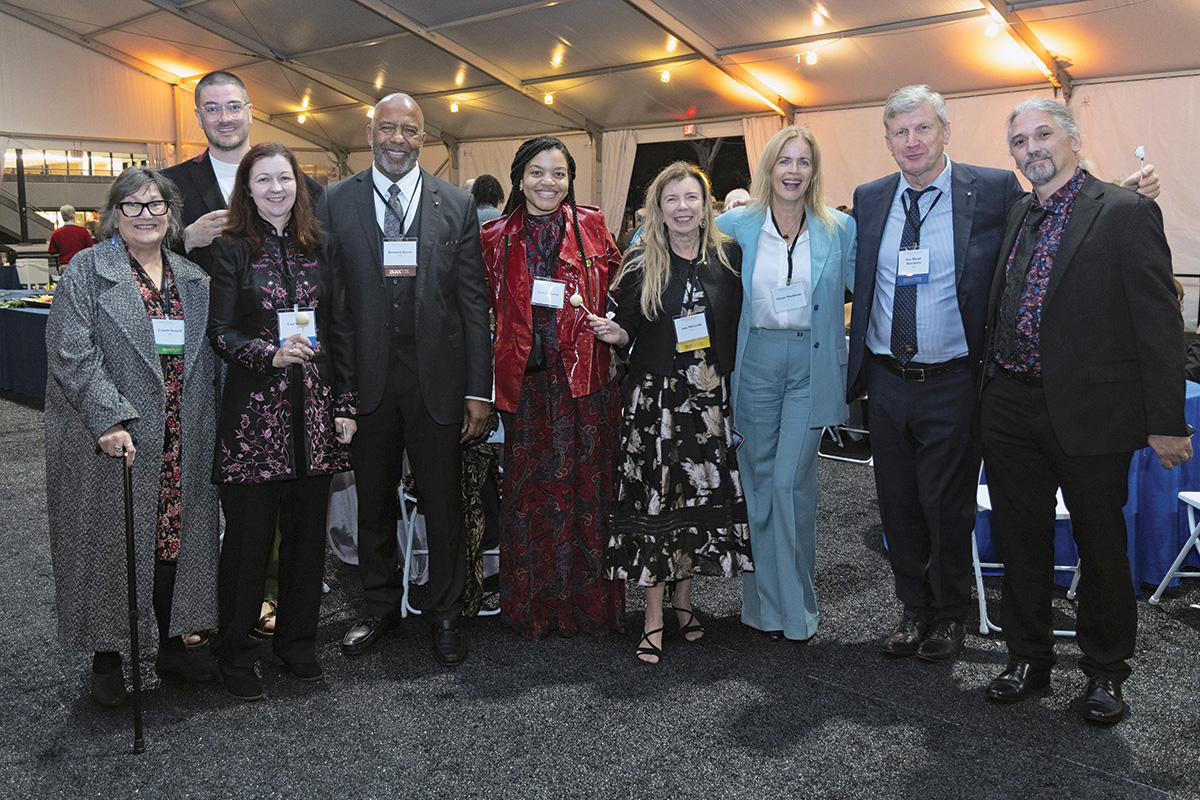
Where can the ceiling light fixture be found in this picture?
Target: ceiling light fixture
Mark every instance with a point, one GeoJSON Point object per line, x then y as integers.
{"type": "Point", "coordinates": [454, 108]}
{"type": "Point", "coordinates": [811, 58]}
{"type": "Point", "coordinates": [548, 99]}
{"type": "Point", "coordinates": [666, 76]}
{"type": "Point", "coordinates": [817, 19]}
{"type": "Point", "coordinates": [370, 113]}
{"type": "Point", "coordinates": [302, 118]}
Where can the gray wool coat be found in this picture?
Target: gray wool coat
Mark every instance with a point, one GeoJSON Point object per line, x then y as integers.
{"type": "Point", "coordinates": [103, 370]}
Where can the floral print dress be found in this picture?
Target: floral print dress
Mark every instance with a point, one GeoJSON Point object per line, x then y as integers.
{"type": "Point", "coordinates": [164, 303]}
{"type": "Point", "coordinates": [680, 509]}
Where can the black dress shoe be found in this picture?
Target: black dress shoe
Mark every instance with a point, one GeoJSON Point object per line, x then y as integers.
{"type": "Point", "coordinates": [943, 642]}
{"type": "Point", "coordinates": [242, 684]}
{"type": "Point", "coordinates": [191, 665]}
{"type": "Point", "coordinates": [906, 639]}
{"type": "Point", "coordinates": [1017, 682]}
{"type": "Point", "coordinates": [108, 688]}
{"type": "Point", "coordinates": [1102, 703]}
{"type": "Point", "coordinates": [366, 634]}
{"type": "Point", "coordinates": [449, 643]}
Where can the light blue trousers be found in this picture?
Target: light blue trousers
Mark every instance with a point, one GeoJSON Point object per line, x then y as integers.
{"type": "Point", "coordinates": [778, 462]}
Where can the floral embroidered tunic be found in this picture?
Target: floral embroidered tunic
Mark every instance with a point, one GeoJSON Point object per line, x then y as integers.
{"type": "Point", "coordinates": [276, 424]}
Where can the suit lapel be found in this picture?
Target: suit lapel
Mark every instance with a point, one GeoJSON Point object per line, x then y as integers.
{"type": "Point", "coordinates": [364, 201]}
{"type": "Point", "coordinates": [122, 302]}
{"type": "Point", "coordinates": [872, 219]}
{"type": "Point", "coordinates": [427, 238]}
{"type": "Point", "coordinates": [963, 196]}
{"type": "Point", "coordinates": [1087, 205]}
{"type": "Point", "coordinates": [206, 183]}
{"type": "Point", "coordinates": [818, 250]}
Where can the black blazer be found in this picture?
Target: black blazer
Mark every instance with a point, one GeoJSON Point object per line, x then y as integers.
{"type": "Point", "coordinates": [454, 350]}
{"type": "Point", "coordinates": [655, 339]}
{"type": "Point", "coordinates": [981, 197]}
{"type": "Point", "coordinates": [201, 194]}
{"type": "Point", "coordinates": [1112, 359]}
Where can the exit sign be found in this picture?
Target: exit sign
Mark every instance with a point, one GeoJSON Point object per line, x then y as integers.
{"type": "Point", "coordinates": [689, 129]}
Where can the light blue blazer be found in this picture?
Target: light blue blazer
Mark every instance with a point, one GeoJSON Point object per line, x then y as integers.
{"type": "Point", "coordinates": [832, 252]}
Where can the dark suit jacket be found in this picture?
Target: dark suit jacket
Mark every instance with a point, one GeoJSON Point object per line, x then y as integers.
{"type": "Point", "coordinates": [1112, 360]}
{"type": "Point", "coordinates": [981, 196]}
{"type": "Point", "coordinates": [201, 194]}
{"type": "Point", "coordinates": [454, 351]}
{"type": "Point", "coordinates": [655, 339]}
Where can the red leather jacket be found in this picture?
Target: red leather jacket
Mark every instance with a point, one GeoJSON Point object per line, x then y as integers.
{"type": "Point", "coordinates": [588, 361]}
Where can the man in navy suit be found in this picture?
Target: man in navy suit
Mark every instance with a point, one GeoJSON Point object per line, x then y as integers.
{"type": "Point", "coordinates": [928, 240]}
{"type": "Point", "coordinates": [224, 112]}
{"type": "Point", "coordinates": [1083, 367]}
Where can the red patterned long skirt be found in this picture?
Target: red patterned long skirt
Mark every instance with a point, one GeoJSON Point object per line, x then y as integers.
{"type": "Point", "coordinates": [558, 483]}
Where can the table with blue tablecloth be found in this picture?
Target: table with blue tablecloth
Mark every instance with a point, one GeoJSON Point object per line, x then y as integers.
{"type": "Point", "coordinates": [23, 347]}
{"type": "Point", "coordinates": [1157, 527]}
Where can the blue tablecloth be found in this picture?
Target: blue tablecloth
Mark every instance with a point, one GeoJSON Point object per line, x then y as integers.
{"type": "Point", "coordinates": [23, 348]}
{"type": "Point", "coordinates": [1157, 525]}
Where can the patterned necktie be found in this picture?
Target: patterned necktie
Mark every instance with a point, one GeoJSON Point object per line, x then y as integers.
{"type": "Point", "coordinates": [392, 221]}
{"type": "Point", "coordinates": [1014, 283]}
{"type": "Point", "coordinates": [904, 302]}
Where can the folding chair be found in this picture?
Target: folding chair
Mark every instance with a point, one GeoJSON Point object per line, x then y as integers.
{"type": "Point", "coordinates": [983, 502]}
{"type": "Point", "coordinates": [408, 516]}
{"type": "Point", "coordinates": [1193, 502]}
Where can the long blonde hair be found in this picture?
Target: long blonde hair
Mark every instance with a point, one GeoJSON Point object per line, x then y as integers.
{"type": "Point", "coordinates": [762, 185]}
{"type": "Point", "coordinates": [652, 254]}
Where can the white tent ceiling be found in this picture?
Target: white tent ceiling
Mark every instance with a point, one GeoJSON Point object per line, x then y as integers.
{"type": "Point", "coordinates": [602, 60]}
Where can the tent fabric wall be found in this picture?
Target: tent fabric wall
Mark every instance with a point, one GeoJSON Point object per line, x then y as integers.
{"type": "Point", "coordinates": [756, 132]}
{"type": "Point", "coordinates": [112, 102]}
{"type": "Point", "coordinates": [620, 150]}
{"type": "Point", "coordinates": [488, 158]}
{"type": "Point", "coordinates": [1161, 114]}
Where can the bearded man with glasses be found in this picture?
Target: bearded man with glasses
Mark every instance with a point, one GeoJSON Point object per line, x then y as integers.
{"type": "Point", "coordinates": [224, 112]}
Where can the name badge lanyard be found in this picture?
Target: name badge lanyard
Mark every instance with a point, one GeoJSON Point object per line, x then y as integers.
{"type": "Point", "coordinates": [403, 215]}
{"type": "Point", "coordinates": [792, 246]}
{"type": "Point", "coordinates": [919, 220]}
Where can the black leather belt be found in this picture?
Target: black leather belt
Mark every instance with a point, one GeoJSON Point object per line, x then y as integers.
{"type": "Point", "coordinates": [1026, 378]}
{"type": "Point", "coordinates": [912, 371]}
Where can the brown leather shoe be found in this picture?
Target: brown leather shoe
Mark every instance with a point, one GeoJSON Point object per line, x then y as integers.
{"type": "Point", "coordinates": [906, 639]}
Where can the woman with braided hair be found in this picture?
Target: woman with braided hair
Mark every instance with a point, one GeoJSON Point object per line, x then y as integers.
{"type": "Point", "coordinates": [550, 260]}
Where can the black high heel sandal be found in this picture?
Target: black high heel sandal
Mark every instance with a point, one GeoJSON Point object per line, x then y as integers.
{"type": "Point", "coordinates": [691, 626]}
{"type": "Point", "coordinates": [649, 649]}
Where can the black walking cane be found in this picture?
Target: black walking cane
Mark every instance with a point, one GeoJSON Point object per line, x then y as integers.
{"type": "Point", "coordinates": [138, 744]}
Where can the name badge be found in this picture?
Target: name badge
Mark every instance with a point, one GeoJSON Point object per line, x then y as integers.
{"type": "Point", "coordinates": [913, 267]}
{"type": "Point", "coordinates": [168, 336]}
{"type": "Point", "coordinates": [691, 333]}
{"type": "Point", "coordinates": [300, 320]}
{"type": "Point", "coordinates": [789, 298]}
{"type": "Point", "coordinates": [400, 258]}
{"type": "Point", "coordinates": [548, 293]}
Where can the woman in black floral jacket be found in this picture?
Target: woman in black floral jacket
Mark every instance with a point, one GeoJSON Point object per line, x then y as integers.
{"type": "Point", "coordinates": [286, 416]}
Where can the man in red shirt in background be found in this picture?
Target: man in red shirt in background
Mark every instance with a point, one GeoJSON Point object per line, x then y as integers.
{"type": "Point", "coordinates": [70, 238]}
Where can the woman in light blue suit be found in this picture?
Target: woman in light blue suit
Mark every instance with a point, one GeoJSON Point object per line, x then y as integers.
{"type": "Point", "coordinates": [790, 375]}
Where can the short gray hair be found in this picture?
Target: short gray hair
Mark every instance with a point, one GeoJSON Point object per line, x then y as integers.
{"type": "Point", "coordinates": [132, 181]}
{"type": "Point", "coordinates": [1061, 113]}
{"type": "Point", "coordinates": [910, 98]}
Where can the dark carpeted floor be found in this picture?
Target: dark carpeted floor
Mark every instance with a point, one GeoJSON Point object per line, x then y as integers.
{"type": "Point", "coordinates": [729, 717]}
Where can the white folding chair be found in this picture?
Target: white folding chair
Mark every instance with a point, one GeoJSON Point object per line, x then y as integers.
{"type": "Point", "coordinates": [1193, 502]}
{"type": "Point", "coordinates": [983, 502]}
{"type": "Point", "coordinates": [408, 516]}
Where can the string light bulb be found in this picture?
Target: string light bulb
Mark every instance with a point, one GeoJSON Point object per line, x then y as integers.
{"type": "Point", "coordinates": [666, 76]}
{"type": "Point", "coordinates": [454, 108]}
{"type": "Point", "coordinates": [302, 118]}
{"type": "Point", "coordinates": [811, 58]}
{"type": "Point", "coordinates": [548, 99]}
{"type": "Point", "coordinates": [371, 113]}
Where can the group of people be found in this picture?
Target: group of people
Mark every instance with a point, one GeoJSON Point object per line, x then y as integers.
{"type": "Point", "coordinates": [352, 328]}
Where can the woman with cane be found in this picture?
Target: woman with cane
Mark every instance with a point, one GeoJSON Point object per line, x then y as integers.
{"type": "Point", "coordinates": [130, 374]}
